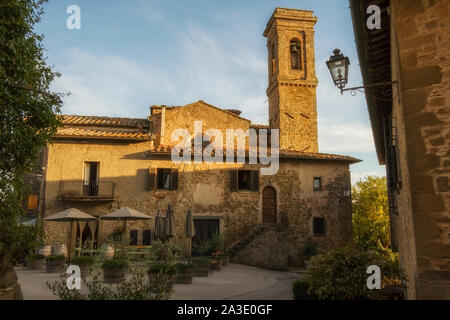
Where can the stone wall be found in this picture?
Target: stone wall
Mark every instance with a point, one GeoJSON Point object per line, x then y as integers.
{"type": "Point", "coordinates": [421, 64]}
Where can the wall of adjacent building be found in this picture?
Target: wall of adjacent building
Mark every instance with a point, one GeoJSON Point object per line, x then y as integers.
{"type": "Point", "coordinates": [421, 64]}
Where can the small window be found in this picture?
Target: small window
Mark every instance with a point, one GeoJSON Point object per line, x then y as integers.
{"type": "Point", "coordinates": [166, 179]}
{"type": "Point", "coordinates": [133, 237]}
{"type": "Point", "coordinates": [163, 178]}
{"type": "Point", "coordinates": [296, 55]}
{"type": "Point", "coordinates": [32, 202]}
{"type": "Point", "coordinates": [317, 184]}
{"type": "Point", "coordinates": [318, 226]}
{"type": "Point", "coordinates": [244, 180]}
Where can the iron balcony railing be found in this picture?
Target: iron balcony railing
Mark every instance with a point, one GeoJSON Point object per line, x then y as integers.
{"type": "Point", "coordinates": [82, 189]}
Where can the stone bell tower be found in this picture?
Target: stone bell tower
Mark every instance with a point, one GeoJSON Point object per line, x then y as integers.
{"type": "Point", "coordinates": [292, 78]}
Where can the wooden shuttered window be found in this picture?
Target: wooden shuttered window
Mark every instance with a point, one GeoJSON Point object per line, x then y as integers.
{"type": "Point", "coordinates": [151, 179]}
{"type": "Point", "coordinates": [157, 179]}
{"type": "Point", "coordinates": [244, 180]}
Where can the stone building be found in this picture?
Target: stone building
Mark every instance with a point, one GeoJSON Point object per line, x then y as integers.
{"type": "Point", "coordinates": [97, 164]}
{"type": "Point", "coordinates": [411, 131]}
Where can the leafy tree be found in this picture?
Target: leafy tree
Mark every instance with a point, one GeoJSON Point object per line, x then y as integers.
{"type": "Point", "coordinates": [27, 114]}
{"type": "Point", "coordinates": [370, 213]}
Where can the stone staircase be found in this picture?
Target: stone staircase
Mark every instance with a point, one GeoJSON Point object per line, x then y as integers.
{"type": "Point", "coordinates": [241, 244]}
{"type": "Point", "coordinates": [264, 247]}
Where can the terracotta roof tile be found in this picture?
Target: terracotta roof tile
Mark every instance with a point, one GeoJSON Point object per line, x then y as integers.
{"type": "Point", "coordinates": [104, 121]}
{"type": "Point", "coordinates": [104, 127]}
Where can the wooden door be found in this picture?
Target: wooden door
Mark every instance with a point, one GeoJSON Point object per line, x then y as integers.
{"type": "Point", "coordinates": [269, 205]}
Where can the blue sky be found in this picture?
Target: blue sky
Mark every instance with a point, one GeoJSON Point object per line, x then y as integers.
{"type": "Point", "coordinates": [131, 54]}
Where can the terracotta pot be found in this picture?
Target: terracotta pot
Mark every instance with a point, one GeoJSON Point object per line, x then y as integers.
{"type": "Point", "coordinates": [54, 266]}
{"type": "Point", "coordinates": [109, 253]}
{"type": "Point", "coordinates": [113, 275]}
{"type": "Point", "coordinates": [36, 264]}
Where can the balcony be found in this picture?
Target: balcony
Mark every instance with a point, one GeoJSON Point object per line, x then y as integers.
{"type": "Point", "coordinates": [80, 190]}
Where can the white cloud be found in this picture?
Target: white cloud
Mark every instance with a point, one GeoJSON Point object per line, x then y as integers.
{"type": "Point", "coordinates": [345, 138]}
{"type": "Point", "coordinates": [107, 85]}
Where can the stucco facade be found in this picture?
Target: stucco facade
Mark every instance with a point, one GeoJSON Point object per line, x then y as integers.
{"type": "Point", "coordinates": [132, 160]}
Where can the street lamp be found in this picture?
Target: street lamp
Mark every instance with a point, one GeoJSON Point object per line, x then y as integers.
{"type": "Point", "coordinates": [338, 66]}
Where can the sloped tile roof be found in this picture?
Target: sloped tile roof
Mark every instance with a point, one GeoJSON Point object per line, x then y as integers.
{"type": "Point", "coordinates": [103, 127]}
{"type": "Point", "coordinates": [104, 121]}
{"type": "Point", "coordinates": [286, 154]}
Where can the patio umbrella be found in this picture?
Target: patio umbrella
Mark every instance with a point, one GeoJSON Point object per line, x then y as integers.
{"type": "Point", "coordinates": [190, 232]}
{"type": "Point", "coordinates": [169, 223]}
{"type": "Point", "coordinates": [70, 215]}
{"type": "Point", "coordinates": [158, 227]}
{"type": "Point", "coordinates": [124, 214]}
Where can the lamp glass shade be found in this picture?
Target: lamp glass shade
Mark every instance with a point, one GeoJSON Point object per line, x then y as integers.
{"type": "Point", "coordinates": [338, 66]}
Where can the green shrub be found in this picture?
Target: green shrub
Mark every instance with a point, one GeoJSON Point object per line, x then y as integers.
{"type": "Point", "coordinates": [115, 264]}
{"type": "Point", "coordinates": [300, 289]}
{"type": "Point", "coordinates": [35, 256]}
{"type": "Point", "coordinates": [55, 257]}
{"type": "Point", "coordinates": [135, 287]}
{"type": "Point", "coordinates": [82, 261]}
{"type": "Point", "coordinates": [184, 267]}
{"type": "Point", "coordinates": [341, 274]}
{"type": "Point", "coordinates": [162, 268]}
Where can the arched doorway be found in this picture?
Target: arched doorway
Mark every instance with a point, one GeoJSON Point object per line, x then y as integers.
{"type": "Point", "coordinates": [269, 205]}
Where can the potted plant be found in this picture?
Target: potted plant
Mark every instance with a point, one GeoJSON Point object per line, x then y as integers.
{"type": "Point", "coordinates": [158, 271]}
{"type": "Point", "coordinates": [55, 263]}
{"type": "Point", "coordinates": [35, 261]}
{"type": "Point", "coordinates": [114, 270]}
{"type": "Point", "coordinates": [309, 250]}
{"type": "Point", "coordinates": [85, 263]}
{"type": "Point", "coordinates": [185, 273]}
{"type": "Point", "coordinates": [202, 267]}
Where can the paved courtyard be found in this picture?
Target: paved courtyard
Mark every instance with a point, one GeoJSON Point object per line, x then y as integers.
{"type": "Point", "coordinates": [233, 282]}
